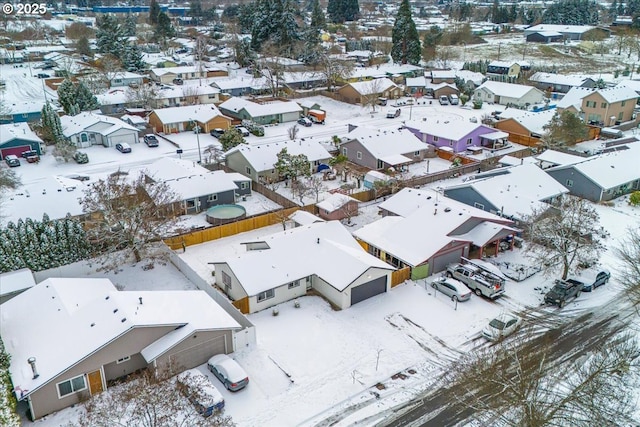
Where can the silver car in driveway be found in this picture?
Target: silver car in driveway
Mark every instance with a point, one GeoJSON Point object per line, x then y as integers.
{"type": "Point", "coordinates": [452, 288]}
{"type": "Point", "coordinates": [228, 372]}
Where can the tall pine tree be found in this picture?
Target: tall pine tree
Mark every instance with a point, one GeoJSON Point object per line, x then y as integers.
{"type": "Point", "coordinates": [317, 16]}
{"type": "Point", "coordinates": [66, 95]}
{"type": "Point", "coordinates": [86, 100]}
{"type": "Point", "coordinates": [154, 12]}
{"type": "Point", "coordinates": [404, 36]}
{"type": "Point", "coordinates": [51, 127]}
{"type": "Point", "coordinates": [340, 11]}
{"type": "Point", "coordinates": [132, 59]}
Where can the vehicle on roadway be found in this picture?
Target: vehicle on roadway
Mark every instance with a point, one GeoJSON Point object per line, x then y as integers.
{"type": "Point", "coordinates": [500, 327]}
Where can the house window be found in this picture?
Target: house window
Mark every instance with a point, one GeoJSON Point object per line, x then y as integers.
{"type": "Point", "coordinates": [262, 296]}
{"type": "Point", "coordinates": [380, 164]}
{"type": "Point", "coordinates": [623, 103]}
{"type": "Point", "coordinates": [73, 385]}
{"type": "Point", "coordinates": [211, 96]}
{"type": "Point", "coordinates": [594, 117]}
{"type": "Point", "coordinates": [478, 205]}
{"type": "Point", "coordinates": [191, 203]}
{"type": "Point", "coordinates": [569, 183]}
{"type": "Point", "coordinates": [344, 151]}
{"type": "Point", "coordinates": [84, 137]}
{"type": "Point", "coordinates": [374, 251]}
{"type": "Point", "coordinates": [435, 139]}
{"type": "Point", "coordinates": [416, 154]}
{"type": "Point", "coordinates": [248, 170]}
{"type": "Point", "coordinates": [293, 284]}
{"type": "Point", "coordinates": [359, 155]}
{"type": "Point", "coordinates": [123, 359]}
{"type": "Point", "coordinates": [591, 104]}
{"type": "Point", "coordinates": [603, 105]}
{"type": "Point", "coordinates": [212, 198]}
{"type": "Point", "coordinates": [451, 143]}
{"type": "Point", "coordinates": [226, 279]}
{"type": "Point", "coordinates": [243, 185]}
{"type": "Point", "coordinates": [620, 115]}
{"type": "Point", "coordinates": [469, 141]}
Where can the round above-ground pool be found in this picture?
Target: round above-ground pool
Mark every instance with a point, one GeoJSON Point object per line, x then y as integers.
{"type": "Point", "coordinates": [222, 214]}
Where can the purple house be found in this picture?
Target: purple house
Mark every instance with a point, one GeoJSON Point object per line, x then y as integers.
{"type": "Point", "coordinates": [457, 135]}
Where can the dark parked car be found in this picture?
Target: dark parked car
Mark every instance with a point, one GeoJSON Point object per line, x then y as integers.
{"type": "Point", "coordinates": [228, 372]}
{"type": "Point", "coordinates": [123, 147]}
{"type": "Point", "coordinates": [592, 281]}
{"type": "Point", "coordinates": [43, 75]}
{"type": "Point", "coordinates": [80, 157]}
{"type": "Point", "coordinates": [151, 140]}
{"type": "Point", "coordinates": [304, 122]}
{"type": "Point", "coordinates": [563, 291]}
{"type": "Point", "coordinates": [217, 132]}
{"type": "Point", "coordinates": [177, 81]}
{"type": "Point", "coordinates": [12, 160]}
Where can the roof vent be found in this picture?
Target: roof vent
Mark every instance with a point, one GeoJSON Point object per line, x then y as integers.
{"type": "Point", "coordinates": [32, 362]}
{"type": "Point", "coordinates": [93, 324]}
{"type": "Point", "coordinates": [115, 310]}
{"type": "Point", "coordinates": [124, 319]}
{"type": "Point", "coordinates": [107, 297]}
{"type": "Point", "coordinates": [140, 298]}
{"type": "Point", "coordinates": [447, 209]}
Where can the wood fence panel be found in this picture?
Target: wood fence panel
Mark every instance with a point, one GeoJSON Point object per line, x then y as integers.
{"type": "Point", "coordinates": [242, 305]}
{"type": "Point", "coordinates": [399, 276]}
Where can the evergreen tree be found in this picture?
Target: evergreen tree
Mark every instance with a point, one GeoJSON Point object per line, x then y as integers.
{"type": "Point", "coordinates": [83, 47]}
{"type": "Point", "coordinates": [154, 12]}
{"type": "Point", "coordinates": [51, 127]}
{"type": "Point", "coordinates": [317, 16]}
{"type": "Point", "coordinates": [404, 37]}
{"type": "Point", "coordinates": [66, 95]}
{"type": "Point", "coordinates": [132, 59]}
{"type": "Point", "coordinates": [129, 27]}
{"type": "Point", "coordinates": [431, 41]}
{"type": "Point", "coordinates": [195, 9]}
{"type": "Point", "coordinates": [572, 12]}
{"type": "Point", "coordinates": [164, 29]}
{"type": "Point", "coordinates": [86, 100]}
{"type": "Point", "coordinates": [231, 138]}
{"type": "Point", "coordinates": [110, 36]}
{"type": "Point", "coordinates": [275, 21]}
{"type": "Point", "coordinates": [340, 11]}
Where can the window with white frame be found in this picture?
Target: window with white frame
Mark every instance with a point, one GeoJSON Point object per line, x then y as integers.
{"type": "Point", "coordinates": [292, 285]}
{"type": "Point", "coordinates": [248, 169]}
{"type": "Point", "coordinates": [359, 155]}
{"type": "Point", "coordinates": [344, 151]}
{"type": "Point", "coordinates": [469, 141]}
{"type": "Point", "coordinates": [435, 139]}
{"type": "Point", "coordinates": [416, 153]}
{"type": "Point", "coordinates": [243, 185]}
{"type": "Point", "coordinates": [569, 183]}
{"type": "Point", "coordinates": [212, 197]}
{"type": "Point", "coordinates": [478, 205]}
{"type": "Point", "coordinates": [226, 280]}
{"type": "Point", "coordinates": [123, 359]}
{"type": "Point", "coordinates": [262, 296]}
{"type": "Point", "coordinates": [72, 385]}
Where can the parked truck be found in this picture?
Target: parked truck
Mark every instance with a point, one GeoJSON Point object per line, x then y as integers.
{"type": "Point", "coordinates": [317, 116]}
{"type": "Point", "coordinates": [562, 291]}
{"type": "Point", "coordinates": [477, 278]}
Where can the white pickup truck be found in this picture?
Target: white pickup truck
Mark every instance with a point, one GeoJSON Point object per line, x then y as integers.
{"type": "Point", "coordinates": [481, 281]}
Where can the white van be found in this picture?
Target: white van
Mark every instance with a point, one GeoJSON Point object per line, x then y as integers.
{"type": "Point", "coordinates": [443, 100]}
{"type": "Point", "coordinates": [453, 99]}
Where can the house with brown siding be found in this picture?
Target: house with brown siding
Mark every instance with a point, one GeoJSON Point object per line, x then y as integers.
{"type": "Point", "coordinates": [179, 119]}
{"type": "Point", "coordinates": [337, 206]}
{"type": "Point", "coordinates": [605, 107]}
{"type": "Point", "coordinates": [361, 92]}
{"type": "Point", "coordinates": [68, 338]}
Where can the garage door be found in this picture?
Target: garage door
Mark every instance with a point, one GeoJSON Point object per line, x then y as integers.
{"type": "Point", "coordinates": [440, 262]}
{"type": "Point", "coordinates": [369, 289]}
{"type": "Point", "coordinates": [198, 354]}
{"type": "Point", "coordinates": [14, 150]}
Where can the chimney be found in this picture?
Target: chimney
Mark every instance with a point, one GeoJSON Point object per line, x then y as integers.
{"type": "Point", "coordinates": [435, 211]}
{"type": "Point", "coordinates": [318, 241]}
{"type": "Point", "coordinates": [32, 362]}
{"type": "Point", "coordinates": [140, 298]}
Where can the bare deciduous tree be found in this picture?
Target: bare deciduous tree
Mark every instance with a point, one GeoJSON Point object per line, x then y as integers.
{"type": "Point", "coordinates": [191, 94]}
{"type": "Point", "coordinates": [374, 87]}
{"type": "Point", "coordinates": [151, 400]}
{"type": "Point", "coordinates": [143, 96]}
{"type": "Point", "coordinates": [300, 190]}
{"type": "Point", "coordinates": [628, 252]}
{"type": "Point", "coordinates": [520, 384]}
{"type": "Point", "coordinates": [214, 155]}
{"type": "Point", "coordinates": [568, 235]}
{"type": "Point", "coordinates": [293, 132]}
{"type": "Point", "coordinates": [316, 186]}
{"type": "Point", "coordinates": [333, 70]}
{"type": "Point", "coordinates": [127, 215]}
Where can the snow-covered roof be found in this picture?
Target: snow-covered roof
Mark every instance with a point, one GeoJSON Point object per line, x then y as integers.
{"type": "Point", "coordinates": [517, 191]}
{"type": "Point", "coordinates": [14, 281]}
{"type": "Point", "coordinates": [21, 130]}
{"type": "Point", "coordinates": [177, 70]}
{"type": "Point", "coordinates": [559, 79]}
{"type": "Point", "coordinates": [476, 78]}
{"type": "Point", "coordinates": [514, 161]}
{"type": "Point", "coordinates": [335, 202]}
{"type": "Point", "coordinates": [304, 218]}
{"type": "Point", "coordinates": [371, 87]}
{"type": "Point", "coordinates": [559, 28]}
{"type": "Point", "coordinates": [612, 169]}
{"type": "Point", "coordinates": [263, 156]}
{"type": "Point", "coordinates": [510, 90]}
{"type": "Point", "coordinates": [193, 186]}
{"type": "Point", "coordinates": [502, 64]}
{"type": "Point", "coordinates": [429, 224]}
{"type": "Point", "coordinates": [166, 168]}
{"type": "Point", "coordinates": [134, 120]}
{"type": "Point", "coordinates": [631, 84]}
{"type": "Point", "coordinates": [385, 143]}
{"type": "Point", "coordinates": [202, 113]}
{"type": "Point", "coordinates": [573, 98]}
{"type": "Point", "coordinates": [558, 158]}
{"type": "Point", "coordinates": [56, 197]}
{"type": "Point", "coordinates": [254, 109]}
{"type": "Point", "coordinates": [185, 90]}
{"type": "Point", "coordinates": [485, 232]}
{"type": "Point", "coordinates": [227, 83]}
{"type": "Point", "coordinates": [416, 81]}
{"type": "Point", "coordinates": [126, 75]}
{"type": "Point", "coordinates": [330, 252]}
{"type": "Point", "coordinates": [530, 120]}
{"type": "Point", "coordinates": [61, 321]}
{"type": "Point", "coordinates": [383, 70]}
{"type": "Point", "coordinates": [616, 94]}
{"type": "Point", "coordinates": [549, 33]}
{"type": "Point", "coordinates": [443, 74]}
{"type": "Point", "coordinates": [455, 130]}
{"type": "Point", "coordinates": [87, 121]}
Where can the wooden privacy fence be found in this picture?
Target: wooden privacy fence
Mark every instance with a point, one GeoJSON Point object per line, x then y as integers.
{"type": "Point", "coordinates": [225, 230]}
{"type": "Point", "coordinates": [399, 276]}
